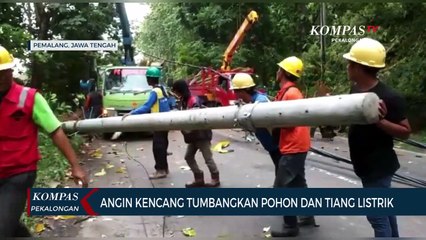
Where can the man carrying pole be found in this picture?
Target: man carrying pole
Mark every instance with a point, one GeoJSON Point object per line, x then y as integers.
{"type": "Point", "coordinates": [157, 102]}
{"type": "Point", "coordinates": [22, 112]}
{"type": "Point", "coordinates": [371, 146]}
{"type": "Point", "coordinates": [245, 88]}
{"type": "Point", "coordinates": [294, 143]}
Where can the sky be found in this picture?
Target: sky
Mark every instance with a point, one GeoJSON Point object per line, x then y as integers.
{"type": "Point", "coordinates": [136, 12]}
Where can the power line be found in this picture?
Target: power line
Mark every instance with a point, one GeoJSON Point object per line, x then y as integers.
{"type": "Point", "coordinates": [415, 182]}
{"type": "Point", "coordinates": [413, 143]}
{"type": "Point", "coordinates": [174, 62]}
{"type": "Point", "coordinates": [186, 64]}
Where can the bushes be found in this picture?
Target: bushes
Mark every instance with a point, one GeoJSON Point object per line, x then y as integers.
{"type": "Point", "coordinates": [53, 167]}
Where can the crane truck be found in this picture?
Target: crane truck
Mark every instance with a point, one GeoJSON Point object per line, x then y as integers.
{"type": "Point", "coordinates": [214, 86]}
{"type": "Point", "coordinates": [123, 87]}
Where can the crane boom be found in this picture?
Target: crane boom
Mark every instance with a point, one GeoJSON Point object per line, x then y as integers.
{"type": "Point", "coordinates": [127, 35]}
{"type": "Point", "coordinates": [251, 18]}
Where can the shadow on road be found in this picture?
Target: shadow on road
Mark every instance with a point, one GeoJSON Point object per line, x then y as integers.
{"type": "Point", "coordinates": [133, 137]}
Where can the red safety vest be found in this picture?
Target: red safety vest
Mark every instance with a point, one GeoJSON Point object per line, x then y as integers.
{"type": "Point", "coordinates": [18, 133]}
{"type": "Point", "coordinates": [191, 102]}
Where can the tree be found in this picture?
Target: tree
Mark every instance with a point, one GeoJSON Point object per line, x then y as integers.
{"type": "Point", "coordinates": [198, 33]}
{"type": "Point", "coordinates": [12, 36]}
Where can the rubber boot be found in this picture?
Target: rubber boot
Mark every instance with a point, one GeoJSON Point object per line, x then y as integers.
{"type": "Point", "coordinates": [287, 232]}
{"type": "Point", "coordinates": [198, 181]}
{"type": "Point", "coordinates": [307, 221]}
{"type": "Point", "coordinates": [158, 174]}
{"type": "Point", "coordinates": [215, 180]}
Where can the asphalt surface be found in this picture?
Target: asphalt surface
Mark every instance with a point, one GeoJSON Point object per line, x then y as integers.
{"type": "Point", "coordinates": [248, 166]}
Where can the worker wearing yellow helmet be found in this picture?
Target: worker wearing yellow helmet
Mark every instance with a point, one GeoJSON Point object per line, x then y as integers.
{"type": "Point", "coordinates": [245, 88]}
{"type": "Point", "coordinates": [371, 146]}
{"type": "Point", "coordinates": [294, 144]}
{"type": "Point", "coordinates": [22, 111]}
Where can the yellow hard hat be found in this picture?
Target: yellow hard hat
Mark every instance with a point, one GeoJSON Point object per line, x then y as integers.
{"type": "Point", "coordinates": [242, 81]}
{"type": "Point", "coordinates": [6, 59]}
{"type": "Point", "coordinates": [292, 65]}
{"type": "Point", "coordinates": [368, 52]}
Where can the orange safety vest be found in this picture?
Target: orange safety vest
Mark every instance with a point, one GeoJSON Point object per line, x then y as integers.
{"type": "Point", "coordinates": [293, 139]}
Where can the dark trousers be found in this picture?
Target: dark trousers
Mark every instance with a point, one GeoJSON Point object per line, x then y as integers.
{"type": "Point", "coordinates": [291, 174]}
{"type": "Point", "coordinates": [93, 112]}
{"type": "Point", "coordinates": [276, 153]}
{"type": "Point", "coordinates": [13, 196]}
{"type": "Point", "coordinates": [384, 226]}
{"type": "Point", "coordinates": [160, 143]}
{"type": "Point", "coordinates": [275, 156]}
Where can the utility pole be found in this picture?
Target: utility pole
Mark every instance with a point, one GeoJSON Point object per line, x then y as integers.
{"type": "Point", "coordinates": [345, 109]}
{"type": "Point", "coordinates": [322, 38]}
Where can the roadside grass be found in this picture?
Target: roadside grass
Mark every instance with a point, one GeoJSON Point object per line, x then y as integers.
{"type": "Point", "coordinates": [419, 136]}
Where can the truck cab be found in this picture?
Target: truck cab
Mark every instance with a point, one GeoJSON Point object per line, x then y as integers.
{"type": "Point", "coordinates": [124, 88]}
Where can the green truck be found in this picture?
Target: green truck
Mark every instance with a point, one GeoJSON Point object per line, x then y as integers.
{"type": "Point", "coordinates": [124, 88]}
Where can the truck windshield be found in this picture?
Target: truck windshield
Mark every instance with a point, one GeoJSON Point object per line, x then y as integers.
{"type": "Point", "coordinates": [126, 80]}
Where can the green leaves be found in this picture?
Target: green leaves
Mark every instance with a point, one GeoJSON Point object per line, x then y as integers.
{"type": "Point", "coordinates": [201, 33]}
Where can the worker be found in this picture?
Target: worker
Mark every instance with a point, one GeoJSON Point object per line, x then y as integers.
{"type": "Point", "coordinates": [196, 140]}
{"type": "Point", "coordinates": [294, 143]}
{"type": "Point", "coordinates": [371, 146]}
{"type": "Point", "coordinates": [157, 102]}
{"type": "Point", "coordinates": [93, 103]}
{"type": "Point", "coordinates": [245, 89]}
{"type": "Point", "coordinates": [22, 111]}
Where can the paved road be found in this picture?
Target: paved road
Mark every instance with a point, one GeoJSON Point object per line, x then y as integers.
{"type": "Point", "coordinates": [247, 167]}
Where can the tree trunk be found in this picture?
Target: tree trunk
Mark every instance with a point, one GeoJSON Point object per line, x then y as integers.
{"type": "Point", "coordinates": [301, 31]}
{"type": "Point", "coordinates": [42, 26]}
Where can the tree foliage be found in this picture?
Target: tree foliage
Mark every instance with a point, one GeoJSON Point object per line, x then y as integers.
{"type": "Point", "coordinates": [59, 72]}
{"type": "Point", "coordinates": [198, 34]}
{"type": "Point", "coordinates": [12, 35]}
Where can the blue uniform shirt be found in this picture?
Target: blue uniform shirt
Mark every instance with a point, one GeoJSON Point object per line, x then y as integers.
{"type": "Point", "coordinates": [263, 134]}
{"type": "Point", "coordinates": [146, 108]}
